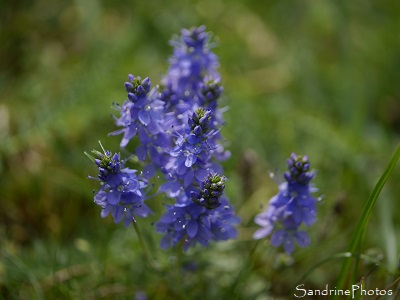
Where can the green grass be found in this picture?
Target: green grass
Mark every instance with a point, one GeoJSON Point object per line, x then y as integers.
{"type": "Point", "coordinates": [316, 78]}
{"type": "Point", "coordinates": [355, 245]}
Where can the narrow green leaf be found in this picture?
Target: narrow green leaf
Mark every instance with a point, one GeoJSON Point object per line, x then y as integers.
{"type": "Point", "coordinates": [355, 244]}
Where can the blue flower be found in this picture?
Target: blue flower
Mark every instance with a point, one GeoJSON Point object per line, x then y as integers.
{"type": "Point", "coordinates": [187, 222]}
{"type": "Point", "coordinates": [290, 208]}
{"type": "Point", "coordinates": [122, 191]}
{"type": "Point", "coordinates": [190, 92]}
{"type": "Point", "coordinates": [192, 60]}
{"type": "Point", "coordinates": [142, 111]}
{"type": "Point", "coordinates": [223, 221]}
{"type": "Point", "coordinates": [208, 217]}
{"type": "Point", "coordinates": [178, 128]}
{"type": "Point", "coordinates": [191, 159]}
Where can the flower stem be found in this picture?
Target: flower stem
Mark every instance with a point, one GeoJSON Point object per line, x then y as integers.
{"type": "Point", "coordinates": [142, 243]}
{"type": "Point", "coordinates": [247, 267]}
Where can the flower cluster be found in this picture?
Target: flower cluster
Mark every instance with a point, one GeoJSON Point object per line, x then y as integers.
{"type": "Point", "coordinates": [192, 63]}
{"type": "Point", "coordinates": [142, 114]}
{"type": "Point", "coordinates": [209, 216]}
{"type": "Point", "coordinates": [290, 208]}
{"type": "Point", "coordinates": [122, 191]}
{"type": "Point", "coordinates": [178, 128]}
{"type": "Point", "coordinates": [177, 125]}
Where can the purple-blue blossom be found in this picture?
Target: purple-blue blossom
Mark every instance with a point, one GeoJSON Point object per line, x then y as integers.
{"type": "Point", "coordinates": [192, 80]}
{"type": "Point", "coordinates": [142, 113]}
{"type": "Point", "coordinates": [177, 125]}
{"type": "Point", "coordinates": [290, 208]}
{"type": "Point", "coordinates": [191, 61]}
{"type": "Point", "coordinates": [209, 216]}
{"type": "Point", "coordinates": [191, 159]}
{"type": "Point", "coordinates": [122, 192]}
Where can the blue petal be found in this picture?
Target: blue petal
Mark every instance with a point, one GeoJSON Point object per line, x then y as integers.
{"type": "Point", "coordinates": [141, 101]}
{"type": "Point", "coordinates": [172, 188]}
{"type": "Point", "coordinates": [133, 185]}
{"type": "Point", "coordinates": [114, 180]}
{"type": "Point", "coordinates": [230, 233]}
{"type": "Point", "coordinates": [162, 140]}
{"type": "Point", "coordinates": [118, 214]}
{"type": "Point", "coordinates": [200, 174]}
{"type": "Point", "coordinates": [142, 211]}
{"type": "Point", "coordinates": [153, 128]}
{"type": "Point", "coordinates": [114, 197]}
{"type": "Point", "coordinates": [194, 210]}
{"type": "Point", "coordinates": [149, 171]}
{"type": "Point", "coordinates": [278, 238]}
{"type": "Point", "coordinates": [188, 178]}
{"type": "Point", "coordinates": [130, 132]}
{"type": "Point", "coordinates": [143, 136]}
{"type": "Point", "coordinates": [262, 219]}
{"type": "Point", "coordinates": [141, 152]}
{"type": "Point", "coordinates": [181, 169]}
{"type": "Point", "coordinates": [144, 117]}
{"type": "Point", "coordinates": [190, 160]}
{"type": "Point", "coordinates": [128, 218]}
{"type": "Point", "coordinates": [262, 232]}
{"type": "Point", "coordinates": [105, 211]}
{"type": "Point", "coordinates": [180, 224]}
{"type": "Point", "coordinates": [166, 241]}
{"type": "Point", "coordinates": [192, 139]}
{"type": "Point", "coordinates": [206, 222]}
{"type": "Point", "coordinates": [302, 238]}
{"type": "Point", "coordinates": [161, 227]}
{"type": "Point", "coordinates": [289, 245]}
{"type": "Point", "coordinates": [192, 228]}
{"type": "Point", "coordinates": [203, 236]}
{"type": "Point", "coordinates": [101, 198]}
{"type": "Point", "coordinates": [309, 217]}
{"type": "Point", "coordinates": [168, 217]}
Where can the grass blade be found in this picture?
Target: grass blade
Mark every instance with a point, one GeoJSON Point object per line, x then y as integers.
{"type": "Point", "coordinates": [355, 244]}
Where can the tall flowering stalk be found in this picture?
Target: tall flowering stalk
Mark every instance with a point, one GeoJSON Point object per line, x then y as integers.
{"type": "Point", "coordinates": [178, 128]}
{"type": "Point", "coordinates": [290, 208]}
{"type": "Point", "coordinates": [190, 90]}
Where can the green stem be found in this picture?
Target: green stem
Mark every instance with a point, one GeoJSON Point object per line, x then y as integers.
{"type": "Point", "coordinates": [247, 266]}
{"type": "Point", "coordinates": [142, 243]}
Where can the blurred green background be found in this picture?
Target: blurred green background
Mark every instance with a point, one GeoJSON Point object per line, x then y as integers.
{"type": "Point", "coordinates": [313, 77]}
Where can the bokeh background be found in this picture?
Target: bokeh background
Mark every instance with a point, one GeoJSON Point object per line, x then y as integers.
{"type": "Point", "coordinates": [313, 77]}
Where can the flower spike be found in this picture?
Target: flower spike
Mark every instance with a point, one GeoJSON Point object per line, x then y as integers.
{"type": "Point", "coordinates": [290, 208]}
